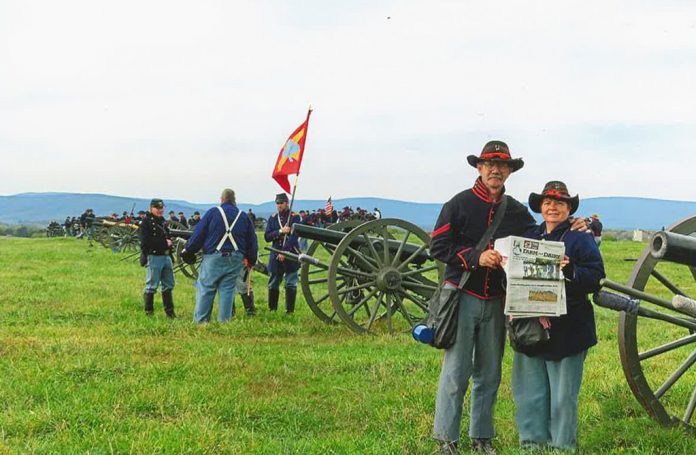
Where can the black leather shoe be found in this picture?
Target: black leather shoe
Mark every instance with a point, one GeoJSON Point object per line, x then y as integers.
{"type": "Point", "coordinates": [168, 303]}
{"type": "Point", "coordinates": [248, 301]}
{"type": "Point", "coordinates": [149, 303]}
{"type": "Point", "coordinates": [290, 296]}
{"type": "Point", "coordinates": [273, 296]}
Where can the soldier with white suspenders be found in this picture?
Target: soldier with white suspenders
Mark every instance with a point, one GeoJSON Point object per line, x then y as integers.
{"type": "Point", "coordinates": [228, 239]}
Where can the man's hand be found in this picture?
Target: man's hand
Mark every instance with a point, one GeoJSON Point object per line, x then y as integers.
{"type": "Point", "coordinates": [247, 264]}
{"type": "Point", "coordinates": [490, 258]}
{"type": "Point", "coordinates": [281, 258]}
{"type": "Point", "coordinates": [285, 230]}
{"type": "Point", "coordinates": [579, 224]}
{"type": "Point", "coordinates": [169, 243]}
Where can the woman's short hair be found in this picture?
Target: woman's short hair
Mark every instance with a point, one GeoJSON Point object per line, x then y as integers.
{"type": "Point", "coordinates": [228, 196]}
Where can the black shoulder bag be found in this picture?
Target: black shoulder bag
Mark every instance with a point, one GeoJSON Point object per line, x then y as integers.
{"type": "Point", "coordinates": [443, 307]}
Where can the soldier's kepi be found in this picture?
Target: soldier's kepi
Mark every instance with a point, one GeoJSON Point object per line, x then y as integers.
{"type": "Point", "coordinates": [278, 233]}
{"type": "Point", "coordinates": [155, 245]}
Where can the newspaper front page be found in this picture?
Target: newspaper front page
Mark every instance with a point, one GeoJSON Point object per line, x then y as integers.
{"type": "Point", "coordinates": [535, 283]}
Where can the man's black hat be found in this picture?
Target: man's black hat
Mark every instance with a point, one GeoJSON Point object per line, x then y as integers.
{"type": "Point", "coordinates": [554, 190]}
{"type": "Point", "coordinates": [157, 203]}
{"type": "Point", "coordinates": [196, 212]}
{"type": "Point", "coordinates": [496, 151]}
{"type": "Point", "coordinates": [281, 197]}
{"type": "Point", "coordinates": [141, 212]}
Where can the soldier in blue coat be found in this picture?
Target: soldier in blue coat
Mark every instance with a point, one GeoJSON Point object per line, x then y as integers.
{"type": "Point", "coordinates": [278, 233]}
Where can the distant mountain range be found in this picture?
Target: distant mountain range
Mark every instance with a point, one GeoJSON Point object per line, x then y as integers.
{"type": "Point", "coordinates": [615, 212]}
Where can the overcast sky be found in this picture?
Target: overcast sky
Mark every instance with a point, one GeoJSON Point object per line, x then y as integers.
{"type": "Point", "coordinates": [180, 99]}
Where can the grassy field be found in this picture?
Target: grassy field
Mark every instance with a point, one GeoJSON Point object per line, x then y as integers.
{"type": "Point", "coordinates": [82, 370]}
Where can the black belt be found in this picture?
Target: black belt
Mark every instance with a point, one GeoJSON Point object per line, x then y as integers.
{"type": "Point", "coordinates": [226, 253]}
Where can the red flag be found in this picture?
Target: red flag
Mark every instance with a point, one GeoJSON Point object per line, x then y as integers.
{"type": "Point", "coordinates": [290, 156]}
{"type": "Point", "coordinates": [329, 206]}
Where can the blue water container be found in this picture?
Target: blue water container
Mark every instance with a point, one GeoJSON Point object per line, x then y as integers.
{"type": "Point", "coordinates": [422, 333]}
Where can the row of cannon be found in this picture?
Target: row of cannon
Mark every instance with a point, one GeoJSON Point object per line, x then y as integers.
{"type": "Point", "coordinates": [378, 276]}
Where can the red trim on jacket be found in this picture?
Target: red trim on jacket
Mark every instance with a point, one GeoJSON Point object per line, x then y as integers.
{"type": "Point", "coordinates": [481, 191]}
{"type": "Point", "coordinates": [460, 255]}
{"type": "Point", "coordinates": [441, 230]}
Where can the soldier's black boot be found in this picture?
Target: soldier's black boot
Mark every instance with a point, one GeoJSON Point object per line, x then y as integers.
{"type": "Point", "coordinates": [168, 303]}
{"type": "Point", "coordinates": [149, 300]}
{"type": "Point", "coordinates": [248, 301]}
{"type": "Point", "coordinates": [290, 295]}
{"type": "Point", "coordinates": [273, 296]}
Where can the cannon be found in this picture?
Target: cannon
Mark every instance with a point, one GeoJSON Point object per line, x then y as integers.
{"type": "Point", "coordinates": [54, 230]}
{"type": "Point", "coordinates": [657, 325]}
{"type": "Point", "coordinates": [117, 236]}
{"type": "Point", "coordinates": [375, 276]}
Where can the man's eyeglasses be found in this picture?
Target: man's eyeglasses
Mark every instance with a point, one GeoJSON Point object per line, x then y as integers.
{"type": "Point", "coordinates": [498, 164]}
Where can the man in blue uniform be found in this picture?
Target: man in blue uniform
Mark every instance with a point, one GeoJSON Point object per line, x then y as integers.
{"type": "Point", "coordinates": [155, 244]}
{"type": "Point", "coordinates": [227, 237]}
{"type": "Point", "coordinates": [278, 233]}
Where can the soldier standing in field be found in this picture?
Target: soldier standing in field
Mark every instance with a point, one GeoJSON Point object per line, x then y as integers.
{"type": "Point", "coordinates": [155, 245]}
{"type": "Point", "coordinates": [278, 233]}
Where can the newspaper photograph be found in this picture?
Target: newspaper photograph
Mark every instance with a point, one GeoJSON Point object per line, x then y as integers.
{"type": "Point", "coordinates": [535, 284]}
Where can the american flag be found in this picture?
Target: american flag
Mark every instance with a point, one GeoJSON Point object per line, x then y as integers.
{"type": "Point", "coordinates": [329, 206]}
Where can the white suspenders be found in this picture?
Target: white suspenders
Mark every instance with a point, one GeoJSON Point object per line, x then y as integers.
{"type": "Point", "coordinates": [228, 230]}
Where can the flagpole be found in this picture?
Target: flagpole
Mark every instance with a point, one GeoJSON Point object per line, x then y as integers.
{"type": "Point", "coordinates": [297, 177]}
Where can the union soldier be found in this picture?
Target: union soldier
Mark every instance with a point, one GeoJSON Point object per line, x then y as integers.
{"type": "Point", "coordinates": [228, 240]}
{"type": "Point", "coordinates": [195, 219]}
{"type": "Point", "coordinates": [141, 217]}
{"type": "Point", "coordinates": [67, 224]}
{"type": "Point", "coordinates": [182, 220]}
{"type": "Point", "coordinates": [155, 246]}
{"type": "Point", "coordinates": [596, 228]}
{"type": "Point", "coordinates": [279, 267]}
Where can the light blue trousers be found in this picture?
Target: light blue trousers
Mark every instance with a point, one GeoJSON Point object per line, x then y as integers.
{"type": "Point", "coordinates": [476, 354]}
{"type": "Point", "coordinates": [217, 274]}
{"type": "Point", "coordinates": [546, 399]}
{"type": "Point", "coordinates": [159, 272]}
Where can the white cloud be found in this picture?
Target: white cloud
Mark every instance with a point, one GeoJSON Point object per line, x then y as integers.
{"type": "Point", "coordinates": [182, 98]}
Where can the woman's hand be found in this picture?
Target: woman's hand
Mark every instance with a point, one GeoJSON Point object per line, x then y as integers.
{"type": "Point", "coordinates": [565, 261]}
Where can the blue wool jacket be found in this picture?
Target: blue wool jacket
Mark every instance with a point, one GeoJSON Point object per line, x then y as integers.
{"type": "Point", "coordinates": [290, 244]}
{"type": "Point", "coordinates": [211, 228]}
{"type": "Point", "coordinates": [574, 332]}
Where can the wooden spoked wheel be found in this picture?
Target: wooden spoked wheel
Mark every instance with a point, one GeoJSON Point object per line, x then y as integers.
{"type": "Point", "coordinates": [658, 352]}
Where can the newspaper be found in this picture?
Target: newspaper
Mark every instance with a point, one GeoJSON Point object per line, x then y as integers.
{"type": "Point", "coordinates": [535, 283]}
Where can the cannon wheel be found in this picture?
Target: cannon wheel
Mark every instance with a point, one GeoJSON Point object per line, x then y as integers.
{"type": "Point", "coordinates": [189, 270]}
{"type": "Point", "coordinates": [313, 279]}
{"type": "Point", "coordinates": [124, 238]}
{"type": "Point", "coordinates": [375, 290]}
{"type": "Point", "coordinates": [645, 364]}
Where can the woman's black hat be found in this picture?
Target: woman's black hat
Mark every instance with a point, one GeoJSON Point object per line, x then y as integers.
{"type": "Point", "coordinates": [554, 189]}
{"type": "Point", "coordinates": [496, 151]}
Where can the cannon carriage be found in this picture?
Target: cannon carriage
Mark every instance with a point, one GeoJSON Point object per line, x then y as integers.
{"type": "Point", "coordinates": [657, 325]}
{"type": "Point", "coordinates": [375, 276]}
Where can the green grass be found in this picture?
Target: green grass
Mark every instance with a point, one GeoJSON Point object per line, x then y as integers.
{"type": "Point", "coordinates": [82, 370]}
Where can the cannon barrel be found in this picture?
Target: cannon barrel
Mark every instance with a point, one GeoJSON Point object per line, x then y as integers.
{"type": "Point", "coordinates": [674, 247]}
{"type": "Point", "coordinates": [182, 233]}
{"type": "Point", "coordinates": [335, 237]}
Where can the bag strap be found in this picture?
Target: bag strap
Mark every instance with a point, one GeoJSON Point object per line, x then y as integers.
{"type": "Point", "coordinates": [497, 219]}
